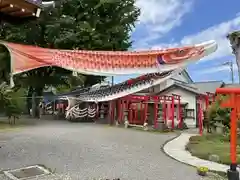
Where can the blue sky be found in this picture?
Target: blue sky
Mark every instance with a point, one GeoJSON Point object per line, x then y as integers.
{"type": "Point", "coordinates": [171, 23]}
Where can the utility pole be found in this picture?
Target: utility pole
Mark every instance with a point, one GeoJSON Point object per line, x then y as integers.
{"type": "Point", "coordinates": [232, 73]}
{"type": "Point", "coordinates": [230, 64]}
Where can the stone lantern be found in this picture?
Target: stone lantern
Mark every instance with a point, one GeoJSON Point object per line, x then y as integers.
{"type": "Point", "coordinates": [219, 125]}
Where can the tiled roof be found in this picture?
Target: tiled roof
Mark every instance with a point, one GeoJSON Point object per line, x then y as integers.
{"type": "Point", "coordinates": [189, 88]}
{"type": "Point", "coordinates": [183, 86]}
{"type": "Point", "coordinates": [185, 72]}
{"type": "Point", "coordinates": [198, 87]}
{"type": "Point", "coordinates": [207, 86]}
{"type": "Point", "coordinates": [232, 85]}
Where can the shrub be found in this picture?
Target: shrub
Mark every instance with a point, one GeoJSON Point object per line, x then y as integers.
{"type": "Point", "coordinates": [202, 171]}
{"type": "Point", "coordinates": [215, 113]}
{"type": "Point", "coordinates": [8, 104]}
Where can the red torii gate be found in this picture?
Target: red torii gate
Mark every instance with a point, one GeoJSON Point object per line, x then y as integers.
{"type": "Point", "coordinates": [200, 116]}
{"type": "Point", "coordinates": [232, 102]}
{"type": "Point", "coordinates": [144, 100]}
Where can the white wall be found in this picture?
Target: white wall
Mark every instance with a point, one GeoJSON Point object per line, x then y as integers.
{"type": "Point", "coordinates": [186, 97]}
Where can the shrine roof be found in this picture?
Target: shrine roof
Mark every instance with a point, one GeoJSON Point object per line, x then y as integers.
{"type": "Point", "coordinates": [207, 86]}
{"type": "Point", "coordinates": [232, 85]}
{"type": "Point", "coordinates": [185, 87]}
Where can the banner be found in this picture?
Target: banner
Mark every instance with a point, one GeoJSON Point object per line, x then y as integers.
{"type": "Point", "coordinates": [108, 63]}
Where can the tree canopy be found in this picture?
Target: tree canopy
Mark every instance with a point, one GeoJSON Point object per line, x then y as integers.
{"type": "Point", "coordinates": [72, 24]}
{"type": "Point", "coordinates": [75, 24]}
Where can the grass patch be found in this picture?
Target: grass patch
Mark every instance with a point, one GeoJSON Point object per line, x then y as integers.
{"type": "Point", "coordinates": [4, 124]}
{"type": "Point", "coordinates": [215, 176]}
{"type": "Point", "coordinates": [203, 146]}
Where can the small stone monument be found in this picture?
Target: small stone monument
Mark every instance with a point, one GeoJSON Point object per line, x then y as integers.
{"type": "Point", "coordinates": [145, 126]}
{"type": "Point", "coordinates": [116, 123]}
{"type": "Point", "coordinates": [161, 125]}
{"type": "Point", "coordinates": [214, 158]}
{"type": "Point", "coordinates": [219, 125]}
{"type": "Point", "coordinates": [126, 123]}
{"type": "Point", "coordinates": [102, 112]}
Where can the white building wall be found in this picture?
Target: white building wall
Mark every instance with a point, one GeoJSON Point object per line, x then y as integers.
{"type": "Point", "coordinates": [186, 97]}
{"type": "Point", "coordinates": [163, 85]}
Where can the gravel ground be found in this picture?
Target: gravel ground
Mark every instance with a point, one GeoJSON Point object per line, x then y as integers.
{"type": "Point", "coordinates": [87, 151]}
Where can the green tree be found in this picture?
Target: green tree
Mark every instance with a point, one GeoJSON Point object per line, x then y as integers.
{"type": "Point", "coordinates": [215, 112]}
{"type": "Point", "coordinates": [5, 95]}
{"type": "Point", "coordinates": [8, 103]}
{"type": "Point", "coordinates": [72, 24]}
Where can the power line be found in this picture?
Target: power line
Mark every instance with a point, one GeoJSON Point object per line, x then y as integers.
{"type": "Point", "coordinates": [230, 65]}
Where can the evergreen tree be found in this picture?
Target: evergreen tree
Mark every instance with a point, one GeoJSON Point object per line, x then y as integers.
{"type": "Point", "coordinates": [72, 24]}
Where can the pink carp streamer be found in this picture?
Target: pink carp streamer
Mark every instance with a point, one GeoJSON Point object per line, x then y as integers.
{"type": "Point", "coordinates": [156, 65]}
{"type": "Point", "coordinates": [25, 58]}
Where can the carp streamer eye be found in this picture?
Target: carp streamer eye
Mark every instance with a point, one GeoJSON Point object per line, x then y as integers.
{"type": "Point", "coordinates": [180, 52]}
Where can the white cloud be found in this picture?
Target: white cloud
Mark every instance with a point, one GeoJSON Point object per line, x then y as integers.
{"type": "Point", "coordinates": [163, 14]}
{"type": "Point", "coordinates": [217, 69]}
{"type": "Point", "coordinates": [159, 17]}
{"type": "Point", "coordinates": [217, 32]}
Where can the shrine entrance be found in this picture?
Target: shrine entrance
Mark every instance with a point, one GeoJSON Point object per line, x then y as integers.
{"type": "Point", "coordinates": [233, 102]}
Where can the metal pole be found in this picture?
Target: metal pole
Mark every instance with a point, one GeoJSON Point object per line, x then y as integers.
{"type": "Point", "coordinates": [230, 64]}
{"type": "Point", "coordinates": [231, 69]}
{"type": "Point", "coordinates": [237, 54]}
{"type": "Point", "coordinates": [112, 80]}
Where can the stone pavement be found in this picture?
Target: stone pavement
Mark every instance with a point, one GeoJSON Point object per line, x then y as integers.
{"type": "Point", "coordinates": [176, 149]}
{"type": "Point", "coordinates": [48, 177]}
{"type": "Point", "coordinates": [88, 151]}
